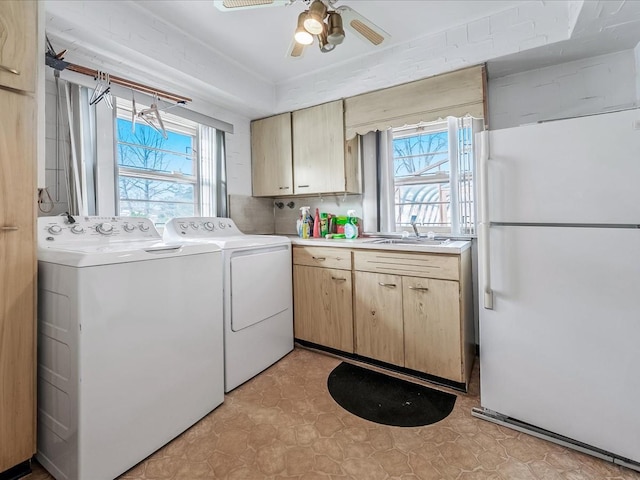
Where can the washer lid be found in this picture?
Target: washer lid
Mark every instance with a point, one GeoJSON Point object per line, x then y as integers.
{"type": "Point", "coordinates": [92, 241]}
{"type": "Point", "coordinates": [92, 255]}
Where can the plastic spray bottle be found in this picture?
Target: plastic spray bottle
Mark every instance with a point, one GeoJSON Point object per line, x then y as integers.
{"type": "Point", "coordinates": [351, 227]}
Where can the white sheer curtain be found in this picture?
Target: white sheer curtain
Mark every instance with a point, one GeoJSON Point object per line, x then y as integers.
{"type": "Point", "coordinates": [213, 175]}
{"type": "Point", "coordinates": [78, 120]}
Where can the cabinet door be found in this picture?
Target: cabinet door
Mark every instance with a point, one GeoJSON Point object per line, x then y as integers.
{"type": "Point", "coordinates": [271, 161]}
{"type": "Point", "coordinates": [18, 44]}
{"type": "Point", "coordinates": [378, 317]}
{"type": "Point", "coordinates": [319, 149]}
{"type": "Point", "coordinates": [322, 300]}
{"type": "Point", "coordinates": [17, 279]}
{"type": "Point", "coordinates": [432, 327]}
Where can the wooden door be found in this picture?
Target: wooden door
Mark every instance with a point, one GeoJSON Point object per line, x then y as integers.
{"type": "Point", "coordinates": [378, 317]}
{"type": "Point", "coordinates": [322, 300]}
{"type": "Point", "coordinates": [17, 279]}
{"type": "Point", "coordinates": [319, 149]}
{"type": "Point", "coordinates": [18, 44]}
{"type": "Point", "coordinates": [271, 158]}
{"type": "Point", "coordinates": [432, 327]}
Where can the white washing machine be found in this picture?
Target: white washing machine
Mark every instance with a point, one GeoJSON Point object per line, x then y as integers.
{"type": "Point", "coordinates": [257, 289]}
{"type": "Point", "coordinates": [129, 344]}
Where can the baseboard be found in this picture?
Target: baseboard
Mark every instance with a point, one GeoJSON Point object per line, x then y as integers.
{"type": "Point", "coordinates": [532, 430]}
{"type": "Point", "coordinates": [18, 471]}
{"type": "Point", "coordinates": [387, 366]}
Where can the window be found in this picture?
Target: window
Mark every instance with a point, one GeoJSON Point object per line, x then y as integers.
{"type": "Point", "coordinates": [158, 177]}
{"type": "Point", "coordinates": [432, 175]}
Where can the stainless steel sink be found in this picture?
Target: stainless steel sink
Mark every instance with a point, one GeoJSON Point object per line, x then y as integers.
{"type": "Point", "coordinates": [408, 241]}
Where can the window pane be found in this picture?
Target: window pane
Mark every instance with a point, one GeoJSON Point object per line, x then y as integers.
{"type": "Point", "coordinates": [159, 213]}
{"type": "Point", "coordinates": [423, 154]}
{"type": "Point", "coordinates": [158, 200]}
{"type": "Point", "coordinates": [429, 202]}
{"type": "Point", "coordinates": [421, 175]}
{"type": "Point", "coordinates": [147, 149]}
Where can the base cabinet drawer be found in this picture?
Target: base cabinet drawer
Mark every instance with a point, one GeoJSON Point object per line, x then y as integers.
{"type": "Point", "coordinates": [325, 257]}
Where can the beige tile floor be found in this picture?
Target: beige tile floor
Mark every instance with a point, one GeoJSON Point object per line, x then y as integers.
{"type": "Point", "coordinates": [284, 425]}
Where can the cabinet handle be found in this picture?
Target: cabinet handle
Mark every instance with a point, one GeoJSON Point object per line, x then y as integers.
{"type": "Point", "coordinates": [390, 285]}
{"type": "Point", "coordinates": [284, 188]}
{"type": "Point", "coordinates": [339, 279]}
{"type": "Point", "coordinates": [10, 70]}
{"type": "Point", "coordinates": [303, 186]}
{"type": "Point", "coordinates": [5, 229]}
{"type": "Point", "coordinates": [320, 259]}
{"type": "Point", "coordinates": [420, 289]}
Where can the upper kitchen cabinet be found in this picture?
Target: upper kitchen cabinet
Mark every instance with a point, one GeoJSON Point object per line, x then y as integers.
{"type": "Point", "coordinates": [18, 44]}
{"type": "Point", "coordinates": [322, 161]}
{"type": "Point", "coordinates": [271, 161]}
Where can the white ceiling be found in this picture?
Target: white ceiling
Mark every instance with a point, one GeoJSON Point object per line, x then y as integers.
{"type": "Point", "coordinates": [259, 38]}
{"type": "Point", "coordinates": [237, 59]}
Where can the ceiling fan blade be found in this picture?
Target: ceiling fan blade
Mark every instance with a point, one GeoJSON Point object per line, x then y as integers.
{"type": "Point", "coordinates": [228, 5]}
{"type": "Point", "coordinates": [296, 50]}
{"type": "Point", "coordinates": [362, 27]}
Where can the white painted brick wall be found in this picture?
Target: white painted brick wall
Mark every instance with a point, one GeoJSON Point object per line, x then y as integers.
{"type": "Point", "coordinates": [591, 85]}
{"type": "Point", "coordinates": [529, 25]}
{"type": "Point", "coordinates": [637, 62]}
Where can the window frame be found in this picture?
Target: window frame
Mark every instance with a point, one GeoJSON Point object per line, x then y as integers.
{"type": "Point", "coordinates": [172, 123]}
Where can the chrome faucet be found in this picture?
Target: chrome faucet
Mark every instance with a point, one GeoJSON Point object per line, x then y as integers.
{"type": "Point", "coordinates": [413, 224]}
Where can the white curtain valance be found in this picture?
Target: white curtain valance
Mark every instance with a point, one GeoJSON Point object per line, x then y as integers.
{"type": "Point", "coordinates": [451, 94]}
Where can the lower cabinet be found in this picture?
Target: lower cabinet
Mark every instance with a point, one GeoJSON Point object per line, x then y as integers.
{"type": "Point", "coordinates": [323, 306]}
{"type": "Point", "coordinates": [412, 310]}
{"type": "Point", "coordinates": [432, 333]}
{"type": "Point", "coordinates": [378, 317]}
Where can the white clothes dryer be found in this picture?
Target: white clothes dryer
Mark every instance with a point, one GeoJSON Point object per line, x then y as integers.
{"type": "Point", "coordinates": [129, 343]}
{"type": "Point", "coordinates": [257, 289]}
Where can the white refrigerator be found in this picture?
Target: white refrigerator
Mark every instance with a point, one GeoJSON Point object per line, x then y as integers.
{"type": "Point", "coordinates": [559, 281]}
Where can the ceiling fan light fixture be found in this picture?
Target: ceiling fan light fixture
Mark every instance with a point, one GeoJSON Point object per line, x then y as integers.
{"type": "Point", "coordinates": [314, 23]}
{"type": "Point", "coordinates": [302, 36]}
{"type": "Point", "coordinates": [323, 43]}
{"type": "Point", "coordinates": [335, 31]}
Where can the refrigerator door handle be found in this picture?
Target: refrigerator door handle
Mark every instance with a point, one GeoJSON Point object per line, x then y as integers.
{"type": "Point", "coordinates": [484, 225]}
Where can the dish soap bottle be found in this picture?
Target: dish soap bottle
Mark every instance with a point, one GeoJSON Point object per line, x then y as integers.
{"type": "Point", "coordinates": [351, 227]}
{"type": "Point", "coordinates": [316, 225]}
{"type": "Point", "coordinates": [306, 229]}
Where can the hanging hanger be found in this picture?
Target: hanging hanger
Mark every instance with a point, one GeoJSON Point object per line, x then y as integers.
{"type": "Point", "coordinates": [102, 90]}
{"type": "Point", "coordinates": [151, 116]}
{"type": "Point", "coordinates": [96, 96]}
{"type": "Point", "coordinates": [134, 112]}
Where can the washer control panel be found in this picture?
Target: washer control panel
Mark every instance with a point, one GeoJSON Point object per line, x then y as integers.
{"type": "Point", "coordinates": [70, 229]}
{"type": "Point", "coordinates": [200, 228]}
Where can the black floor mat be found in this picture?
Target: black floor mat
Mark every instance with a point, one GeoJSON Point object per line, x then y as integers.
{"type": "Point", "coordinates": [387, 400]}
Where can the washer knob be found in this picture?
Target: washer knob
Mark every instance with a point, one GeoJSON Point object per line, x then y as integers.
{"type": "Point", "coordinates": [104, 228]}
{"type": "Point", "coordinates": [209, 226]}
{"type": "Point", "coordinates": [221, 225]}
{"type": "Point", "coordinates": [194, 225]}
{"type": "Point", "coordinates": [183, 226]}
{"type": "Point", "coordinates": [77, 229]}
{"type": "Point", "coordinates": [143, 227]}
{"type": "Point", "coordinates": [128, 227]}
{"type": "Point", "coordinates": [55, 229]}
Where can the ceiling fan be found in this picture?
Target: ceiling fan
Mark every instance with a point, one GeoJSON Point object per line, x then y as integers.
{"type": "Point", "coordinates": [321, 20]}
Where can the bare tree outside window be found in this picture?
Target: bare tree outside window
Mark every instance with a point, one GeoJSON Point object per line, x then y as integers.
{"type": "Point", "coordinates": [421, 177]}
{"type": "Point", "coordinates": [157, 175]}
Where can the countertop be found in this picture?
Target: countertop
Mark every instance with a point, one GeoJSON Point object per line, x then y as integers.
{"type": "Point", "coordinates": [452, 247]}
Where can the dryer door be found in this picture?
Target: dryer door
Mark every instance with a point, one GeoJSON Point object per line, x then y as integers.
{"type": "Point", "coordinates": [260, 285]}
